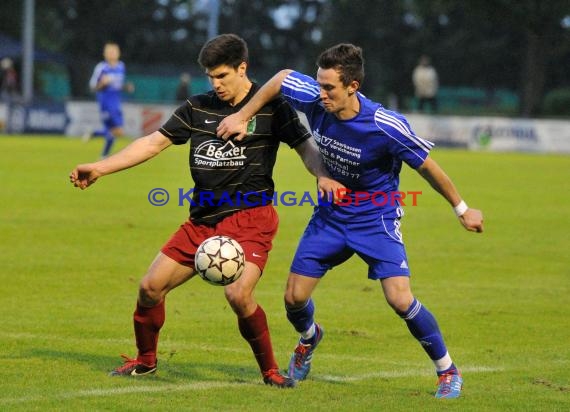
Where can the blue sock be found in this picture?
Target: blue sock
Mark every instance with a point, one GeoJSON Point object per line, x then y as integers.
{"type": "Point", "coordinates": [99, 133]}
{"type": "Point", "coordinates": [424, 328]}
{"type": "Point", "coordinates": [301, 318]}
{"type": "Point", "coordinates": [109, 140]}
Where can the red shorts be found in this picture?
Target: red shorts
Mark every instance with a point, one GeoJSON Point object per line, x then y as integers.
{"type": "Point", "coordinates": [253, 228]}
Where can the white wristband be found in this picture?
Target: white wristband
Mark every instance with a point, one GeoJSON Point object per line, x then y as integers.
{"type": "Point", "coordinates": [460, 209]}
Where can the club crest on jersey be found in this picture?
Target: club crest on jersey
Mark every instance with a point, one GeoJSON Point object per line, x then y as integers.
{"type": "Point", "coordinates": [251, 125]}
{"type": "Point", "coordinates": [218, 153]}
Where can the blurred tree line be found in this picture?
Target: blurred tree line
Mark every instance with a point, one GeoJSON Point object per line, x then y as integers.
{"type": "Point", "coordinates": [520, 45]}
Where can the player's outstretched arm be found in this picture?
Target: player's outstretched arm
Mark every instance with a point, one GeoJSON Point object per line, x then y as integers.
{"type": "Point", "coordinates": [140, 150]}
{"type": "Point", "coordinates": [471, 219]}
{"type": "Point", "coordinates": [236, 124]}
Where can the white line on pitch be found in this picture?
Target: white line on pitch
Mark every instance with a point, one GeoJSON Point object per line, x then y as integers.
{"type": "Point", "coordinates": [92, 393]}
{"type": "Point", "coordinates": [397, 374]}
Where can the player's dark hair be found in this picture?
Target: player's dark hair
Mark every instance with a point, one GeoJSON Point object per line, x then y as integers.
{"type": "Point", "coordinates": [228, 49]}
{"type": "Point", "coordinates": [345, 58]}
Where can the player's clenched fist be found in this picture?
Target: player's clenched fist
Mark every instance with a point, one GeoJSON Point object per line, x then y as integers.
{"type": "Point", "coordinates": [83, 176]}
{"type": "Point", "coordinates": [472, 220]}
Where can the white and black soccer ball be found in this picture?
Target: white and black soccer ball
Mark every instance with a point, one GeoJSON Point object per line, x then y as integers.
{"type": "Point", "coordinates": [220, 260]}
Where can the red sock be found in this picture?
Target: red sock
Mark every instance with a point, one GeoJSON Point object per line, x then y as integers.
{"type": "Point", "coordinates": [254, 329]}
{"type": "Point", "coordinates": [148, 322]}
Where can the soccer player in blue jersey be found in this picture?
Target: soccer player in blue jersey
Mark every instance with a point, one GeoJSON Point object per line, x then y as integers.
{"type": "Point", "coordinates": [108, 83]}
{"type": "Point", "coordinates": [363, 146]}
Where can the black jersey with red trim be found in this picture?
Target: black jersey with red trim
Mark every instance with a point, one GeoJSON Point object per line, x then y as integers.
{"type": "Point", "coordinates": [231, 175]}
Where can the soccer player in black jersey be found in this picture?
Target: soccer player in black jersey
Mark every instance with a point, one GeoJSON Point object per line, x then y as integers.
{"type": "Point", "coordinates": [232, 196]}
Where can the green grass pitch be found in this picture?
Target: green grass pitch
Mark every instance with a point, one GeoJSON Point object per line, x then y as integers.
{"type": "Point", "coordinates": [70, 262]}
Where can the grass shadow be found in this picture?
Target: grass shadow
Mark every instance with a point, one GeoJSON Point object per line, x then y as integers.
{"type": "Point", "coordinates": [168, 371]}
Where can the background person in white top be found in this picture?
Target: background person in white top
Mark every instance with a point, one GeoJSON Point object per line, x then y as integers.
{"type": "Point", "coordinates": [426, 84]}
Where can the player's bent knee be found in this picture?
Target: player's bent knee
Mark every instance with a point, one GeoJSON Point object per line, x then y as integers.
{"type": "Point", "coordinates": [237, 297]}
{"type": "Point", "coordinates": [296, 297]}
{"type": "Point", "coordinates": [399, 304]}
{"type": "Point", "coordinates": [294, 300]}
{"type": "Point", "coordinates": [149, 296]}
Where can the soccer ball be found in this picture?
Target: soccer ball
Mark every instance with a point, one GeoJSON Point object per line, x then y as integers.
{"type": "Point", "coordinates": [220, 260]}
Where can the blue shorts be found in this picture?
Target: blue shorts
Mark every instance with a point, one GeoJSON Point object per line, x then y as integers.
{"type": "Point", "coordinates": [328, 242]}
{"type": "Point", "coordinates": [112, 117]}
